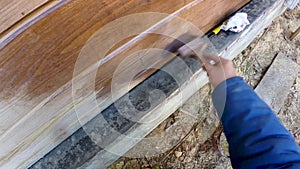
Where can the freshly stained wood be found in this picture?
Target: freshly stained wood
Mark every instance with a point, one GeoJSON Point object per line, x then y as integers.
{"type": "Point", "coordinates": [230, 51]}
{"type": "Point", "coordinates": [37, 110]}
{"type": "Point", "coordinates": [16, 28]}
{"type": "Point", "coordinates": [12, 11]}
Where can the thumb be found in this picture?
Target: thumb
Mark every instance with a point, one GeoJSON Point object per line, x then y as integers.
{"type": "Point", "coordinates": [209, 61]}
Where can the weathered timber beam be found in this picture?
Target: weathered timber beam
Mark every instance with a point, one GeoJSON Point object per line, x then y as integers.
{"type": "Point", "coordinates": [227, 44]}
{"type": "Point", "coordinates": [36, 98]}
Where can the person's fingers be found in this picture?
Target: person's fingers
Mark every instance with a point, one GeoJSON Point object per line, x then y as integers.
{"type": "Point", "coordinates": [204, 68]}
{"type": "Point", "coordinates": [218, 68]}
{"type": "Point", "coordinates": [179, 42]}
{"type": "Point", "coordinates": [210, 62]}
{"type": "Point", "coordinates": [209, 56]}
{"type": "Point", "coordinates": [192, 48]}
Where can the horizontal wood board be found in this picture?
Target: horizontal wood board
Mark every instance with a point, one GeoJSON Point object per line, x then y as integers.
{"type": "Point", "coordinates": [37, 66]}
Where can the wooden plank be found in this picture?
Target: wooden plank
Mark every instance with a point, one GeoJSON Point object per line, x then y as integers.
{"type": "Point", "coordinates": [276, 83]}
{"type": "Point", "coordinates": [208, 14]}
{"type": "Point", "coordinates": [13, 11]}
{"type": "Point", "coordinates": [105, 158]}
{"type": "Point", "coordinates": [36, 97]}
{"type": "Point", "coordinates": [63, 127]}
{"type": "Point", "coordinates": [46, 70]}
{"type": "Point", "coordinates": [52, 68]}
{"type": "Point", "coordinates": [259, 12]}
{"type": "Point", "coordinates": [24, 23]}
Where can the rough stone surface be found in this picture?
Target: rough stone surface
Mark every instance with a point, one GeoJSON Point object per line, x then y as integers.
{"type": "Point", "coordinates": [276, 83]}
{"type": "Point", "coordinates": [69, 154]}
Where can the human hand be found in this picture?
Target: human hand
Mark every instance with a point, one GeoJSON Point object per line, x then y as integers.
{"type": "Point", "coordinates": [218, 69]}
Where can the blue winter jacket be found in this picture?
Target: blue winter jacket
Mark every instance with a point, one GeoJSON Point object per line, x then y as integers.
{"type": "Point", "coordinates": [256, 137]}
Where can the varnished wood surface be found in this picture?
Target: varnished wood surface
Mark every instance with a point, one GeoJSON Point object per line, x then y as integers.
{"type": "Point", "coordinates": [35, 98]}
{"type": "Point", "coordinates": [12, 11]}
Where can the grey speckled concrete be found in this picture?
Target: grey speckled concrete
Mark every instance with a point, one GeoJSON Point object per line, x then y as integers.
{"type": "Point", "coordinates": [72, 153]}
{"type": "Point", "coordinates": [276, 83]}
{"type": "Point", "coordinates": [79, 148]}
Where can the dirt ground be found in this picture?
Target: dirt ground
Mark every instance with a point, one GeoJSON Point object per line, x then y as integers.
{"type": "Point", "coordinates": [205, 145]}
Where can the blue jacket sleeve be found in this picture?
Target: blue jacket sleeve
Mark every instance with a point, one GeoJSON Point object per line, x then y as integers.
{"type": "Point", "coordinates": [256, 137]}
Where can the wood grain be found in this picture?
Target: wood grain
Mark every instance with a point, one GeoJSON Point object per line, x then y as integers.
{"type": "Point", "coordinates": [36, 68]}
{"type": "Point", "coordinates": [229, 52]}
{"type": "Point", "coordinates": [44, 63]}
{"type": "Point", "coordinates": [208, 14]}
{"type": "Point", "coordinates": [13, 11]}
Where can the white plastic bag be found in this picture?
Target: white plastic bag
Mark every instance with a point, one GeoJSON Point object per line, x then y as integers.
{"type": "Point", "coordinates": [236, 23]}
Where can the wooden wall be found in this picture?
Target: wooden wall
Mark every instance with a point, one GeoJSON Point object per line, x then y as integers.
{"type": "Point", "coordinates": [13, 11]}
{"type": "Point", "coordinates": [37, 64]}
